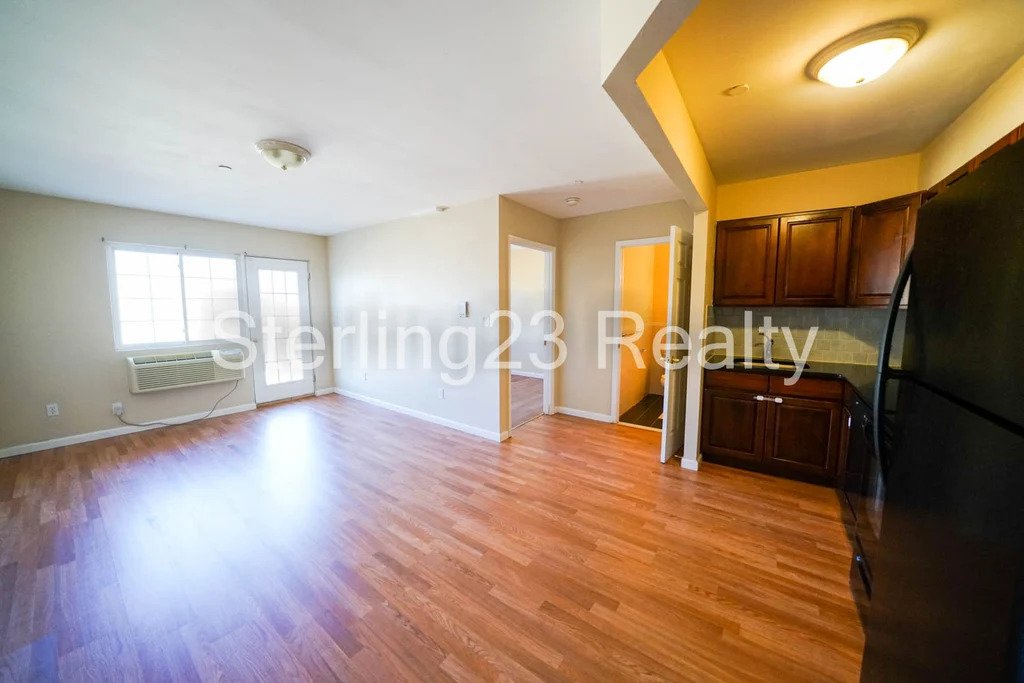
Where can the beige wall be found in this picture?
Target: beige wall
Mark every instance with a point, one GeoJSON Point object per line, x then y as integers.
{"type": "Point", "coordinates": [417, 270]}
{"type": "Point", "coordinates": [527, 287]}
{"type": "Point", "coordinates": [999, 110]}
{"type": "Point", "coordinates": [587, 285]}
{"type": "Point", "coordinates": [825, 188]}
{"type": "Point", "coordinates": [56, 314]}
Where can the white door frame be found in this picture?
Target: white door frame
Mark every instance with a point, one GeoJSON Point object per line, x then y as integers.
{"type": "Point", "coordinates": [293, 389]}
{"type": "Point", "coordinates": [617, 322]}
{"type": "Point", "coordinates": [549, 252]}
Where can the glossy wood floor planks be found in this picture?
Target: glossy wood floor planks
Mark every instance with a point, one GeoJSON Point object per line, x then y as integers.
{"type": "Point", "coordinates": [328, 539]}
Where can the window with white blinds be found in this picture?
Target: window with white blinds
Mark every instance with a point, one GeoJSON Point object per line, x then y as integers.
{"type": "Point", "coordinates": [163, 297]}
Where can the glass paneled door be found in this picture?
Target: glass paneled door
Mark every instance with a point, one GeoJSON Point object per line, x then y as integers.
{"type": "Point", "coordinates": [279, 303]}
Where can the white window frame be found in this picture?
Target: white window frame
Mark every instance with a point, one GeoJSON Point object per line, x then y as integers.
{"type": "Point", "coordinates": [180, 251]}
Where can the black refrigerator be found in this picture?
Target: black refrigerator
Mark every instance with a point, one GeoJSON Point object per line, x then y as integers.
{"type": "Point", "coordinates": [948, 580]}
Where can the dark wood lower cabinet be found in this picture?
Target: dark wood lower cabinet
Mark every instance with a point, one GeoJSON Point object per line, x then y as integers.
{"type": "Point", "coordinates": [803, 438]}
{"type": "Point", "coordinates": [733, 424]}
{"type": "Point", "coordinates": [797, 434]}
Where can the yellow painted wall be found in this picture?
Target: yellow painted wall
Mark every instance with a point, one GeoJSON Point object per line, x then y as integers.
{"type": "Point", "coordinates": [825, 188]}
{"type": "Point", "coordinates": [660, 89]}
{"type": "Point", "coordinates": [999, 110]}
{"type": "Point", "coordinates": [659, 308]}
{"type": "Point", "coordinates": [637, 296]}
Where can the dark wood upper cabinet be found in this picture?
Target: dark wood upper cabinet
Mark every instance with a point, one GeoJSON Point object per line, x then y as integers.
{"type": "Point", "coordinates": [883, 233]}
{"type": "Point", "coordinates": [997, 146]}
{"type": "Point", "coordinates": [745, 252]}
{"type": "Point", "coordinates": [836, 257]}
{"type": "Point", "coordinates": [1011, 138]}
{"type": "Point", "coordinates": [814, 251]}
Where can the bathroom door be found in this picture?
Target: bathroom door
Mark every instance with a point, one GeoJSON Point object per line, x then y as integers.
{"type": "Point", "coordinates": [675, 360]}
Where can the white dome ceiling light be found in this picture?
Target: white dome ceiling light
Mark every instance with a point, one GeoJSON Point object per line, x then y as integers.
{"type": "Point", "coordinates": [282, 155]}
{"type": "Point", "coordinates": [865, 55]}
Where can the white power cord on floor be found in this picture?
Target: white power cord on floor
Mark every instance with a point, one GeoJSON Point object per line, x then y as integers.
{"type": "Point", "coordinates": [157, 423]}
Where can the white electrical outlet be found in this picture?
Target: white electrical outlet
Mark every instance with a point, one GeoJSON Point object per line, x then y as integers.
{"type": "Point", "coordinates": [52, 410]}
{"type": "Point", "coordinates": [366, 376]}
{"type": "Point", "coordinates": [117, 408]}
{"type": "Point", "coordinates": [440, 392]}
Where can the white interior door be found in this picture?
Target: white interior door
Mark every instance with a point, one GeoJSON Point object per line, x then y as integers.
{"type": "Point", "coordinates": [279, 303]}
{"type": "Point", "coordinates": [675, 370]}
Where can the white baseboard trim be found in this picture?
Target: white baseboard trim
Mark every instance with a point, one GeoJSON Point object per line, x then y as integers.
{"type": "Point", "coordinates": [21, 449]}
{"type": "Point", "coordinates": [692, 464]}
{"type": "Point", "coordinates": [420, 415]}
{"type": "Point", "coordinates": [585, 414]}
{"type": "Point", "coordinates": [527, 373]}
{"type": "Point", "coordinates": [324, 392]}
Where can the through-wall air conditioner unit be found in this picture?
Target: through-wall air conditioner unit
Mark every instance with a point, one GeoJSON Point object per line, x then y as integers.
{"type": "Point", "coordinates": [174, 370]}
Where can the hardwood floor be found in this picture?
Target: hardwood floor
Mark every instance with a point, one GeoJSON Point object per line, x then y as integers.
{"type": "Point", "coordinates": [327, 539]}
{"type": "Point", "coordinates": [527, 399]}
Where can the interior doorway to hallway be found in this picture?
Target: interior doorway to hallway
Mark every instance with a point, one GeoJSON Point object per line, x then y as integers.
{"type": "Point", "coordinates": [531, 292]}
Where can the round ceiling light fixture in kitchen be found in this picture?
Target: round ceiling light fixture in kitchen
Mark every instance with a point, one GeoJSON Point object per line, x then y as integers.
{"type": "Point", "coordinates": [572, 201]}
{"type": "Point", "coordinates": [865, 55]}
{"type": "Point", "coordinates": [282, 155]}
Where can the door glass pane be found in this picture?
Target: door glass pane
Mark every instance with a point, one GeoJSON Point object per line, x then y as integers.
{"type": "Point", "coordinates": [280, 319]}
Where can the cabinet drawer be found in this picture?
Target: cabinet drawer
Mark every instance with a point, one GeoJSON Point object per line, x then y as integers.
{"type": "Point", "coordinates": [807, 387]}
{"type": "Point", "coordinates": [726, 379]}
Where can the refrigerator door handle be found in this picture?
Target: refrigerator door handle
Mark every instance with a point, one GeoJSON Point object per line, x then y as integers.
{"type": "Point", "coordinates": [885, 372]}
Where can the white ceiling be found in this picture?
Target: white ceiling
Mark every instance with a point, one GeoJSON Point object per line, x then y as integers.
{"type": "Point", "coordinates": [404, 104]}
{"type": "Point", "coordinates": [790, 123]}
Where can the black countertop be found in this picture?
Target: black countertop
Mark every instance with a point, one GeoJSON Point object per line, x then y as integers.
{"type": "Point", "coordinates": [860, 377]}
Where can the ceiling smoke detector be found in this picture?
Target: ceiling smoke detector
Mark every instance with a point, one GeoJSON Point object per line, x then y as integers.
{"type": "Point", "coordinates": [572, 201]}
{"type": "Point", "coordinates": [865, 55]}
{"type": "Point", "coordinates": [282, 155]}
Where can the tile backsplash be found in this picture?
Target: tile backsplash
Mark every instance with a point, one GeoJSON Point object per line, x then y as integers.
{"type": "Point", "coordinates": [845, 335]}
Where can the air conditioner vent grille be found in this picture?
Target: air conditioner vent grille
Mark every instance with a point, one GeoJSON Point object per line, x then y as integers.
{"type": "Point", "coordinates": [171, 371]}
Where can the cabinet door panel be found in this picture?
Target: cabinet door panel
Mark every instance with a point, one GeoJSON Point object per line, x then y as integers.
{"type": "Point", "coordinates": [733, 425]}
{"type": "Point", "coordinates": [814, 251]}
{"type": "Point", "coordinates": [745, 254]}
{"type": "Point", "coordinates": [883, 233]}
{"type": "Point", "coordinates": [803, 438]}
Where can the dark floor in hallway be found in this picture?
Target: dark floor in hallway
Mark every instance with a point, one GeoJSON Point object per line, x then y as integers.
{"type": "Point", "coordinates": [646, 413]}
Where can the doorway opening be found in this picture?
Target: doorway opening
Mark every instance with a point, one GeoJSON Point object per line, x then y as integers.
{"type": "Point", "coordinates": [643, 274]}
{"type": "Point", "coordinates": [531, 292]}
{"type": "Point", "coordinates": [652, 278]}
